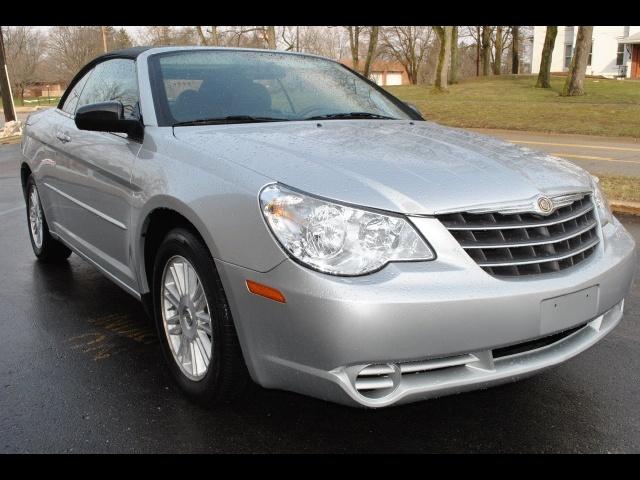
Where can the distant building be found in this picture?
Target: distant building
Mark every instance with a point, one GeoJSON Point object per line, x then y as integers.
{"type": "Point", "coordinates": [384, 73]}
{"type": "Point", "coordinates": [45, 89]}
{"type": "Point", "coordinates": [615, 51]}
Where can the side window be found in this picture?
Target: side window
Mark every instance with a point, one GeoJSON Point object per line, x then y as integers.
{"type": "Point", "coordinates": [113, 80]}
{"type": "Point", "coordinates": [72, 100]}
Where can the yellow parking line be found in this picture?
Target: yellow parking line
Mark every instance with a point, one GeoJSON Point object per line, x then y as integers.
{"type": "Point", "coordinates": [588, 157]}
{"type": "Point", "coordinates": [601, 147]}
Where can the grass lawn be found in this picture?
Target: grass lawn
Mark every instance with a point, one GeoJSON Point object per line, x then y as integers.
{"type": "Point", "coordinates": [34, 102]}
{"type": "Point", "coordinates": [618, 187]}
{"type": "Point", "coordinates": [609, 107]}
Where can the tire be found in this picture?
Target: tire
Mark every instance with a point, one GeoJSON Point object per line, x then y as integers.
{"type": "Point", "coordinates": [226, 375]}
{"type": "Point", "coordinates": [45, 247]}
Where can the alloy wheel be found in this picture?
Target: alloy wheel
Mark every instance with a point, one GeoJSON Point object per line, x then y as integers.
{"type": "Point", "coordinates": [186, 318]}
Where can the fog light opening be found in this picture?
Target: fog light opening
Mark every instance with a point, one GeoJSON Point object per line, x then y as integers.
{"type": "Point", "coordinates": [378, 380]}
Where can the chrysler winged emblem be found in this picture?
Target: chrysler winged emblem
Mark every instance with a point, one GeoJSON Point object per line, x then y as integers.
{"type": "Point", "coordinates": [545, 205]}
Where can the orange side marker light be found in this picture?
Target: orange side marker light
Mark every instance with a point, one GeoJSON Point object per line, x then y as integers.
{"type": "Point", "coordinates": [265, 291]}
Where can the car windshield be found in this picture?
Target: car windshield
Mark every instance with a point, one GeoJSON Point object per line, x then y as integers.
{"type": "Point", "coordinates": [218, 86]}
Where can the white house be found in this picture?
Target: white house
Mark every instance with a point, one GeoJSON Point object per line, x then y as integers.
{"type": "Point", "coordinates": [615, 51]}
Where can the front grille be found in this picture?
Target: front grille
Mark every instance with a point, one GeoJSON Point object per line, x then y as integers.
{"type": "Point", "coordinates": [534, 344]}
{"type": "Point", "coordinates": [514, 244]}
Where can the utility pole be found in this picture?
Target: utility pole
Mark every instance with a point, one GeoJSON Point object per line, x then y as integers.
{"type": "Point", "coordinates": [297, 38]}
{"type": "Point", "coordinates": [104, 39]}
{"type": "Point", "coordinates": [5, 86]}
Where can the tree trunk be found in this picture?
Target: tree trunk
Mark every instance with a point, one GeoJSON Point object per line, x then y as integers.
{"type": "Point", "coordinates": [544, 76]}
{"type": "Point", "coordinates": [203, 39]}
{"type": "Point", "coordinates": [453, 74]}
{"type": "Point", "coordinates": [5, 87]}
{"type": "Point", "coordinates": [478, 52]}
{"type": "Point", "coordinates": [486, 50]}
{"type": "Point", "coordinates": [214, 36]}
{"type": "Point", "coordinates": [354, 44]}
{"type": "Point", "coordinates": [574, 85]}
{"type": "Point", "coordinates": [371, 51]}
{"type": "Point", "coordinates": [515, 47]}
{"type": "Point", "coordinates": [444, 34]}
{"type": "Point", "coordinates": [271, 37]}
{"type": "Point", "coordinates": [497, 56]}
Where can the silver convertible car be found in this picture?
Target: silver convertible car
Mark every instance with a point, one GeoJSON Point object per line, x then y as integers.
{"type": "Point", "coordinates": [285, 220]}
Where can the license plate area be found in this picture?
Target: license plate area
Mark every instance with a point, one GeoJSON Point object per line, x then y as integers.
{"type": "Point", "coordinates": [568, 310]}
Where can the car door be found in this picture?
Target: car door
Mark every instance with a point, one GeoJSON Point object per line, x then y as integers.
{"type": "Point", "coordinates": [49, 137]}
{"type": "Point", "coordinates": [94, 175]}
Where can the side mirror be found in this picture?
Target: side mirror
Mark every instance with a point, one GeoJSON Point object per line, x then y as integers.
{"type": "Point", "coordinates": [107, 117]}
{"type": "Point", "coordinates": [414, 108]}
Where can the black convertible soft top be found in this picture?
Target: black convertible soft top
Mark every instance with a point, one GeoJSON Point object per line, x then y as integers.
{"type": "Point", "coordinates": [131, 53]}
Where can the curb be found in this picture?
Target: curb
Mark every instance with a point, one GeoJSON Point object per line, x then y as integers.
{"type": "Point", "coordinates": [629, 208]}
{"type": "Point", "coordinates": [10, 140]}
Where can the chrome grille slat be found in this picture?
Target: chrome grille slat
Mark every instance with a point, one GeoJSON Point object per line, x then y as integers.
{"type": "Point", "coordinates": [545, 221]}
{"type": "Point", "coordinates": [435, 364]}
{"type": "Point", "coordinates": [521, 243]}
{"type": "Point", "coordinates": [551, 258]}
{"type": "Point", "coordinates": [568, 236]}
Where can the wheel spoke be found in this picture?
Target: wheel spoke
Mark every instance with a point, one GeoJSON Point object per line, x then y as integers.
{"type": "Point", "coordinates": [175, 330]}
{"type": "Point", "coordinates": [198, 295]}
{"type": "Point", "coordinates": [204, 344]}
{"type": "Point", "coordinates": [194, 364]}
{"type": "Point", "coordinates": [178, 281]}
{"type": "Point", "coordinates": [205, 327]}
{"type": "Point", "coordinates": [172, 296]}
{"type": "Point", "coordinates": [186, 317]}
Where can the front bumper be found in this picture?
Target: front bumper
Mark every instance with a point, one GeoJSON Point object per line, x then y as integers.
{"type": "Point", "coordinates": [330, 328]}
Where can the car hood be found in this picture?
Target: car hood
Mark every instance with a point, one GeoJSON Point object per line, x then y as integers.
{"type": "Point", "coordinates": [407, 167]}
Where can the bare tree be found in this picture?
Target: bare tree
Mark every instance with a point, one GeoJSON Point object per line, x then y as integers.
{"type": "Point", "coordinates": [408, 45]}
{"type": "Point", "coordinates": [270, 34]}
{"type": "Point", "coordinates": [326, 41]}
{"type": "Point", "coordinates": [444, 35]}
{"type": "Point", "coordinates": [515, 47]}
{"type": "Point", "coordinates": [5, 87]}
{"type": "Point", "coordinates": [500, 45]}
{"type": "Point", "coordinates": [211, 37]}
{"type": "Point", "coordinates": [69, 48]}
{"type": "Point", "coordinates": [354, 44]}
{"type": "Point", "coordinates": [574, 85]}
{"type": "Point", "coordinates": [486, 49]}
{"type": "Point", "coordinates": [453, 72]}
{"type": "Point", "coordinates": [544, 76]}
{"type": "Point", "coordinates": [24, 52]}
{"type": "Point", "coordinates": [371, 50]}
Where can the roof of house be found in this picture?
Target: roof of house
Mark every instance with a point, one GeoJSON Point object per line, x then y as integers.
{"type": "Point", "coordinates": [635, 38]}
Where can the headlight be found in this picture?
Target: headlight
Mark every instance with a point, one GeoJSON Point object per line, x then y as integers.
{"type": "Point", "coordinates": [602, 204]}
{"type": "Point", "coordinates": [337, 239]}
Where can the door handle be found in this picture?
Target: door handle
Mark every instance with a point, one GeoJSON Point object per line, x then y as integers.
{"type": "Point", "coordinates": [63, 137]}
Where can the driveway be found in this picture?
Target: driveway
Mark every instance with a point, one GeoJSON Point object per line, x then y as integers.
{"type": "Point", "coordinates": [80, 371]}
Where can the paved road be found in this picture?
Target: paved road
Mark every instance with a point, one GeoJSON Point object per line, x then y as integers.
{"type": "Point", "coordinates": [615, 156]}
{"type": "Point", "coordinates": [80, 371]}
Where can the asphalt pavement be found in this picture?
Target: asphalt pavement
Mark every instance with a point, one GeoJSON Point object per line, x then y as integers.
{"type": "Point", "coordinates": [608, 155]}
{"type": "Point", "coordinates": [80, 371]}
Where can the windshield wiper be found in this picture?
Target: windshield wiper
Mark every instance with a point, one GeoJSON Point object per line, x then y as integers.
{"type": "Point", "coordinates": [350, 115]}
{"type": "Point", "coordinates": [229, 119]}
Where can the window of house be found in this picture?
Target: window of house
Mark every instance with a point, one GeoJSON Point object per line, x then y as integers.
{"type": "Point", "coordinates": [590, 54]}
{"type": "Point", "coordinates": [113, 80]}
{"type": "Point", "coordinates": [568, 53]}
{"type": "Point", "coordinates": [620, 54]}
